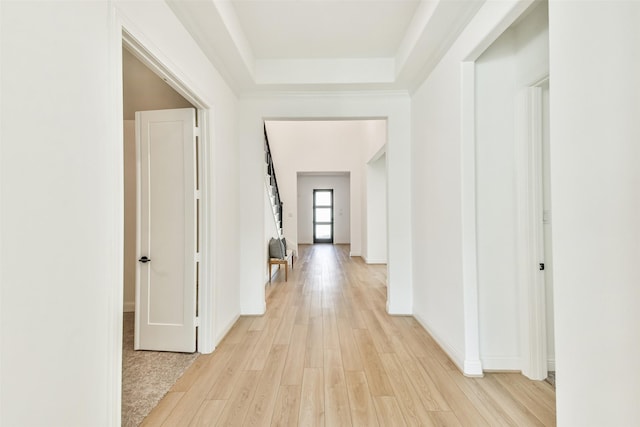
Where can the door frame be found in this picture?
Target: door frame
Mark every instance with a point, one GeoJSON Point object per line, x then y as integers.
{"type": "Point", "coordinates": [316, 240]}
{"type": "Point", "coordinates": [124, 33]}
{"type": "Point", "coordinates": [205, 305]}
{"type": "Point", "coordinates": [530, 231]}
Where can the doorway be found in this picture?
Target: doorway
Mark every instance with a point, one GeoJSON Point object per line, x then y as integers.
{"type": "Point", "coordinates": [507, 159]}
{"type": "Point", "coordinates": [145, 88]}
{"type": "Point", "coordinates": [535, 262]}
{"type": "Point", "coordinates": [323, 216]}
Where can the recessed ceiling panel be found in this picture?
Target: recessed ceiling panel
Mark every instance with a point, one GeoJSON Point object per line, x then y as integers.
{"type": "Point", "coordinates": [324, 29]}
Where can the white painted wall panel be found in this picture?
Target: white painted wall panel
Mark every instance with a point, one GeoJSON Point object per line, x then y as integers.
{"type": "Point", "coordinates": [595, 105]}
{"type": "Point", "coordinates": [496, 205]}
{"type": "Point", "coordinates": [375, 250]}
{"type": "Point", "coordinates": [58, 225]}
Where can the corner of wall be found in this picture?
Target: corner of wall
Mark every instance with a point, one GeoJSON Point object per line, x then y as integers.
{"type": "Point", "coordinates": [455, 356]}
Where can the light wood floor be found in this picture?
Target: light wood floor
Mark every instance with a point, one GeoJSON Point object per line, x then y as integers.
{"type": "Point", "coordinates": [327, 354]}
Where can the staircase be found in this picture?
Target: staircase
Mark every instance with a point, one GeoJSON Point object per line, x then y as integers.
{"type": "Point", "coordinates": [271, 184]}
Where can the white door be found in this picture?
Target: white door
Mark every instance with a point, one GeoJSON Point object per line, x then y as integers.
{"type": "Point", "coordinates": [166, 224]}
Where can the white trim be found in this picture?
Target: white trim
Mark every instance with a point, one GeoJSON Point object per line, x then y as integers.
{"type": "Point", "coordinates": [551, 364]}
{"type": "Point", "coordinates": [455, 356]}
{"type": "Point", "coordinates": [1, 240]}
{"type": "Point", "coordinates": [374, 260]}
{"type": "Point", "coordinates": [473, 369]}
{"type": "Point", "coordinates": [378, 154]}
{"type": "Point", "coordinates": [530, 249]}
{"type": "Point", "coordinates": [324, 94]}
{"type": "Point", "coordinates": [207, 291]}
{"type": "Point", "coordinates": [501, 363]}
{"type": "Point", "coordinates": [472, 364]}
{"type": "Point", "coordinates": [116, 198]}
{"type": "Point", "coordinates": [510, 11]}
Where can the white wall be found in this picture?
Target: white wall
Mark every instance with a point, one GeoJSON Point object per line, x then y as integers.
{"type": "Point", "coordinates": [595, 106]}
{"type": "Point", "coordinates": [496, 205]}
{"type": "Point", "coordinates": [395, 108]}
{"type": "Point", "coordinates": [375, 148]}
{"type": "Point", "coordinates": [515, 60]}
{"type": "Point", "coordinates": [443, 192]}
{"type": "Point", "coordinates": [375, 248]}
{"type": "Point", "coordinates": [58, 225]}
{"type": "Point", "coordinates": [62, 200]}
{"type": "Point", "coordinates": [340, 184]}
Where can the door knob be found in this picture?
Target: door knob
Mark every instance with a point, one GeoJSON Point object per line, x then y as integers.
{"type": "Point", "coordinates": [144, 260]}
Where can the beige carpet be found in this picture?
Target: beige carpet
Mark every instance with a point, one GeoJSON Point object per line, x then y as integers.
{"type": "Point", "coordinates": [146, 376]}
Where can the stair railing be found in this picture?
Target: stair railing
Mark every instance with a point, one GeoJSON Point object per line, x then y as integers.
{"type": "Point", "coordinates": [274, 181]}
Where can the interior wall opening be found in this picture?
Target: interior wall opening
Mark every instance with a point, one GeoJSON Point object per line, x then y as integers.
{"type": "Point", "coordinates": [316, 154]}
{"type": "Point", "coordinates": [506, 209]}
{"type": "Point", "coordinates": [145, 90]}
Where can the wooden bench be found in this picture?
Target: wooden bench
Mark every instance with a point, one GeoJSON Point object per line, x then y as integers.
{"type": "Point", "coordinates": [277, 261]}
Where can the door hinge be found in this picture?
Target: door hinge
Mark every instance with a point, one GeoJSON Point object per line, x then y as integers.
{"type": "Point", "coordinates": [541, 266]}
{"type": "Point", "coordinates": [197, 256]}
{"type": "Point", "coordinates": [198, 194]}
{"type": "Point", "coordinates": [196, 131]}
{"type": "Point", "coordinates": [196, 322]}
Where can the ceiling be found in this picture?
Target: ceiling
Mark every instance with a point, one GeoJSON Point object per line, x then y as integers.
{"type": "Point", "coordinates": [333, 29]}
{"type": "Point", "coordinates": [324, 45]}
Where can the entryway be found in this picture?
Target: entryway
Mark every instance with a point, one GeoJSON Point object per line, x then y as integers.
{"type": "Point", "coordinates": [510, 164]}
{"type": "Point", "coordinates": [162, 244]}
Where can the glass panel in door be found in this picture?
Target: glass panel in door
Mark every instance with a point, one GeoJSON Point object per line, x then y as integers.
{"type": "Point", "coordinates": [322, 216]}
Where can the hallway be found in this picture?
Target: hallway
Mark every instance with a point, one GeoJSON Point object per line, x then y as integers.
{"type": "Point", "coordinates": [326, 353]}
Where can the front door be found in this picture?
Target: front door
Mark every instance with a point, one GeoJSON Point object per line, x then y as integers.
{"type": "Point", "coordinates": [322, 216]}
{"type": "Point", "coordinates": [166, 227]}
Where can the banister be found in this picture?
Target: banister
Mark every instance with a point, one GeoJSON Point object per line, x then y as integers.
{"type": "Point", "coordinates": [272, 172]}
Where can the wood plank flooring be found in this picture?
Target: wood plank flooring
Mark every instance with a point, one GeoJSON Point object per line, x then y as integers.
{"type": "Point", "coordinates": [327, 354]}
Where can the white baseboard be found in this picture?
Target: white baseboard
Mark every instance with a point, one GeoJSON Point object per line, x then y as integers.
{"type": "Point", "coordinates": [502, 364]}
{"type": "Point", "coordinates": [473, 368]}
{"type": "Point", "coordinates": [129, 307]}
{"type": "Point", "coordinates": [375, 261]}
{"type": "Point", "coordinates": [454, 354]}
{"type": "Point", "coordinates": [551, 364]}
{"type": "Point", "coordinates": [509, 364]}
{"type": "Point", "coordinates": [354, 254]}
